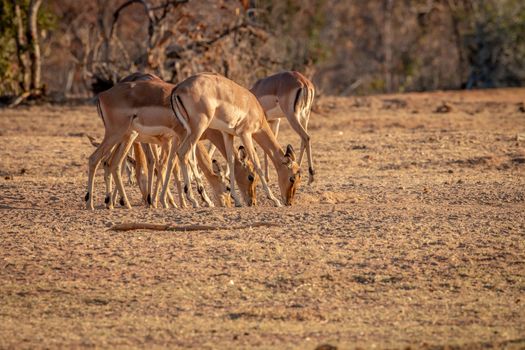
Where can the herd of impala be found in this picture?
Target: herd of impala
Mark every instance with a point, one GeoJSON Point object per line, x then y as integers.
{"type": "Point", "coordinates": [163, 125]}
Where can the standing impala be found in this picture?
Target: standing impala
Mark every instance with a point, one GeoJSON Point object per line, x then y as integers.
{"type": "Point", "coordinates": [245, 176]}
{"type": "Point", "coordinates": [212, 101]}
{"type": "Point", "coordinates": [137, 111]}
{"type": "Point", "coordinates": [290, 95]}
{"type": "Point", "coordinates": [133, 100]}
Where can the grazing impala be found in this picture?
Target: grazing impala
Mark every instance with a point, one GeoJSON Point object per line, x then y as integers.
{"type": "Point", "coordinates": [245, 176]}
{"type": "Point", "coordinates": [212, 101]}
{"type": "Point", "coordinates": [137, 111]}
{"type": "Point", "coordinates": [290, 95]}
{"type": "Point", "coordinates": [212, 173]}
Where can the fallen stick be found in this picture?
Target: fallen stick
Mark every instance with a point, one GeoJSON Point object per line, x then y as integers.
{"type": "Point", "coordinates": [167, 227]}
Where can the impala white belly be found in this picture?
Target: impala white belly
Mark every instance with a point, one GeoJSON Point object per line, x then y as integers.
{"type": "Point", "coordinates": [148, 121]}
{"type": "Point", "coordinates": [152, 130]}
{"type": "Point", "coordinates": [221, 125]}
{"type": "Point", "coordinates": [275, 113]}
{"type": "Point", "coordinates": [271, 107]}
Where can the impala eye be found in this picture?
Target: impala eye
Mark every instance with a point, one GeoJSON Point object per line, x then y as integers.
{"type": "Point", "coordinates": [251, 178]}
{"type": "Point", "coordinates": [292, 179]}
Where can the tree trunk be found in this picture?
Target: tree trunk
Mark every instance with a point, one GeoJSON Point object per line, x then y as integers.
{"type": "Point", "coordinates": [33, 44]}
{"type": "Point", "coordinates": [387, 41]}
{"type": "Point", "coordinates": [21, 49]}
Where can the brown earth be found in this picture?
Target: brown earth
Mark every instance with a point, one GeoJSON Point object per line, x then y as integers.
{"type": "Point", "coordinates": [412, 236]}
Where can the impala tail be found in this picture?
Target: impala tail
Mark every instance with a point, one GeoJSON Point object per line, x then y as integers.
{"type": "Point", "coordinates": [99, 110]}
{"type": "Point", "coordinates": [303, 100]}
{"type": "Point", "coordinates": [180, 113]}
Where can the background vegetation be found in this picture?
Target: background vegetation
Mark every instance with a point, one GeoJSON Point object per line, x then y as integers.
{"type": "Point", "coordinates": [347, 47]}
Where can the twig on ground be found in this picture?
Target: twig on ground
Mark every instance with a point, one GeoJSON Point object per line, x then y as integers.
{"type": "Point", "coordinates": [167, 227]}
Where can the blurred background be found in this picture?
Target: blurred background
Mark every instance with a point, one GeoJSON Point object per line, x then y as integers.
{"type": "Point", "coordinates": [71, 49]}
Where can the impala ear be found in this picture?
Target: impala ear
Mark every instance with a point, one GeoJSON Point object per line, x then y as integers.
{"type": "Point", "coordinates": [131, 160]}
{"type": "Point", "coordinates": [290, 152]}
{"type": "Point", "coordinates": [93, 141]}
{"type": "Point", "coordinates": [216, 167]}
{"type": "Point", "coordinates": [242, 154]}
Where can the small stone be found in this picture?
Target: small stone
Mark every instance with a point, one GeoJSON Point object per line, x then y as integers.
{"type": "Point", "coordinates": [443, 108]}
{"type": "Point", "coordinates": [326, 347]}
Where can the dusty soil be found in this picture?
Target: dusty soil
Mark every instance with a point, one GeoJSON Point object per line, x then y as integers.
{"type": "Point", "coordinates": [412, 236]}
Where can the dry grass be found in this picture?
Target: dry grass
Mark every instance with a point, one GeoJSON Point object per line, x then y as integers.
{"type": "Point", "coordinates": [412, 236]}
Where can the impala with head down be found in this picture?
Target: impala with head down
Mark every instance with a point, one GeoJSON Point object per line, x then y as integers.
{"type": "Point", "coordinates": [246, 177]}
{"type": "Point", "coordinates": [288, 94]}
{"type": "Point", "coordinates": [137, 111]}
{"type": "Point", "coordinates": [211, 101]}
{"type": "Point", "coordinates": [132, 93]}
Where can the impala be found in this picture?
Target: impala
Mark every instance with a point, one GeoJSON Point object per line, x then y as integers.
{"type": "Point", "coordinates": [136, 111]}
{"type": "Point", "coordinates": [245, 174]}
{"type": "Point", "coordinates": [212, 101]}
{"type": "Point", "coordinates": [246, 177]}
{"type": "Point", "coordinates": [288, 94]}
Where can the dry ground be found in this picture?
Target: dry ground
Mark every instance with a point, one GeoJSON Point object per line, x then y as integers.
{"type": "Point", "coordinates": [413, 236]}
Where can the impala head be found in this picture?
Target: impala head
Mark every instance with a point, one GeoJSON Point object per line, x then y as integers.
{"type": "Point", "coordinates": [246, 177]}
{"type": "Point", "coordinates": [224, 196]}
{"type": "Point", "coordinates": [289, 176]}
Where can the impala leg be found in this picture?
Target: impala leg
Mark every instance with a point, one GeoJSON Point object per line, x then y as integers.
{"type": "Point", "coordinates": [184, 153]}
{"type": "Point", "coordinates": [274, 125]}
{"type": "Point", "coordinates": [152, 163]}
{"type": "Point", "coordinates": [108, 180]}
{"type": "Point", "coordinates": [113, 199]}
{"type": "Point", "coordinates": [140, 169]}
{"type": "Point", "coordinates": [230, 157]}
{"type": "Point", "coordinates": [198, 178]}
{"type": "Point", "coordinates": [111, 194]}
{"type": "Point", "coordinates": [103, 150]}
{"type": "Point", "coordinates": [178, 183]}
{"type": "Point", "coordinates": [116, 166]}
{"type": "Point", "coordinates": [159, 166]}
{"type": "Point", "coordinates": [248, 144]}
{"type": "Point", "coordinates": [211, 150]}
{"type": "Point", "coordinates": [168, 171]}
{"type": "Point", "coordinates": [187, 184]}
{"type": "Point", "coordinates": [166, 198]}
{"type": "Point", "coordinates": [304, 124]}
{"type": "Point", "coordinates": [171, 200]}
{"type": "Point", "coordinates": [305, 142]}
{"type": "Point", "coordinates": [129, 170]}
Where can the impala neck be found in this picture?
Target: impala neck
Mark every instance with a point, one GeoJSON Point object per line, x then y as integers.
{"type": "Point", "coordinates": [266, 139]}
